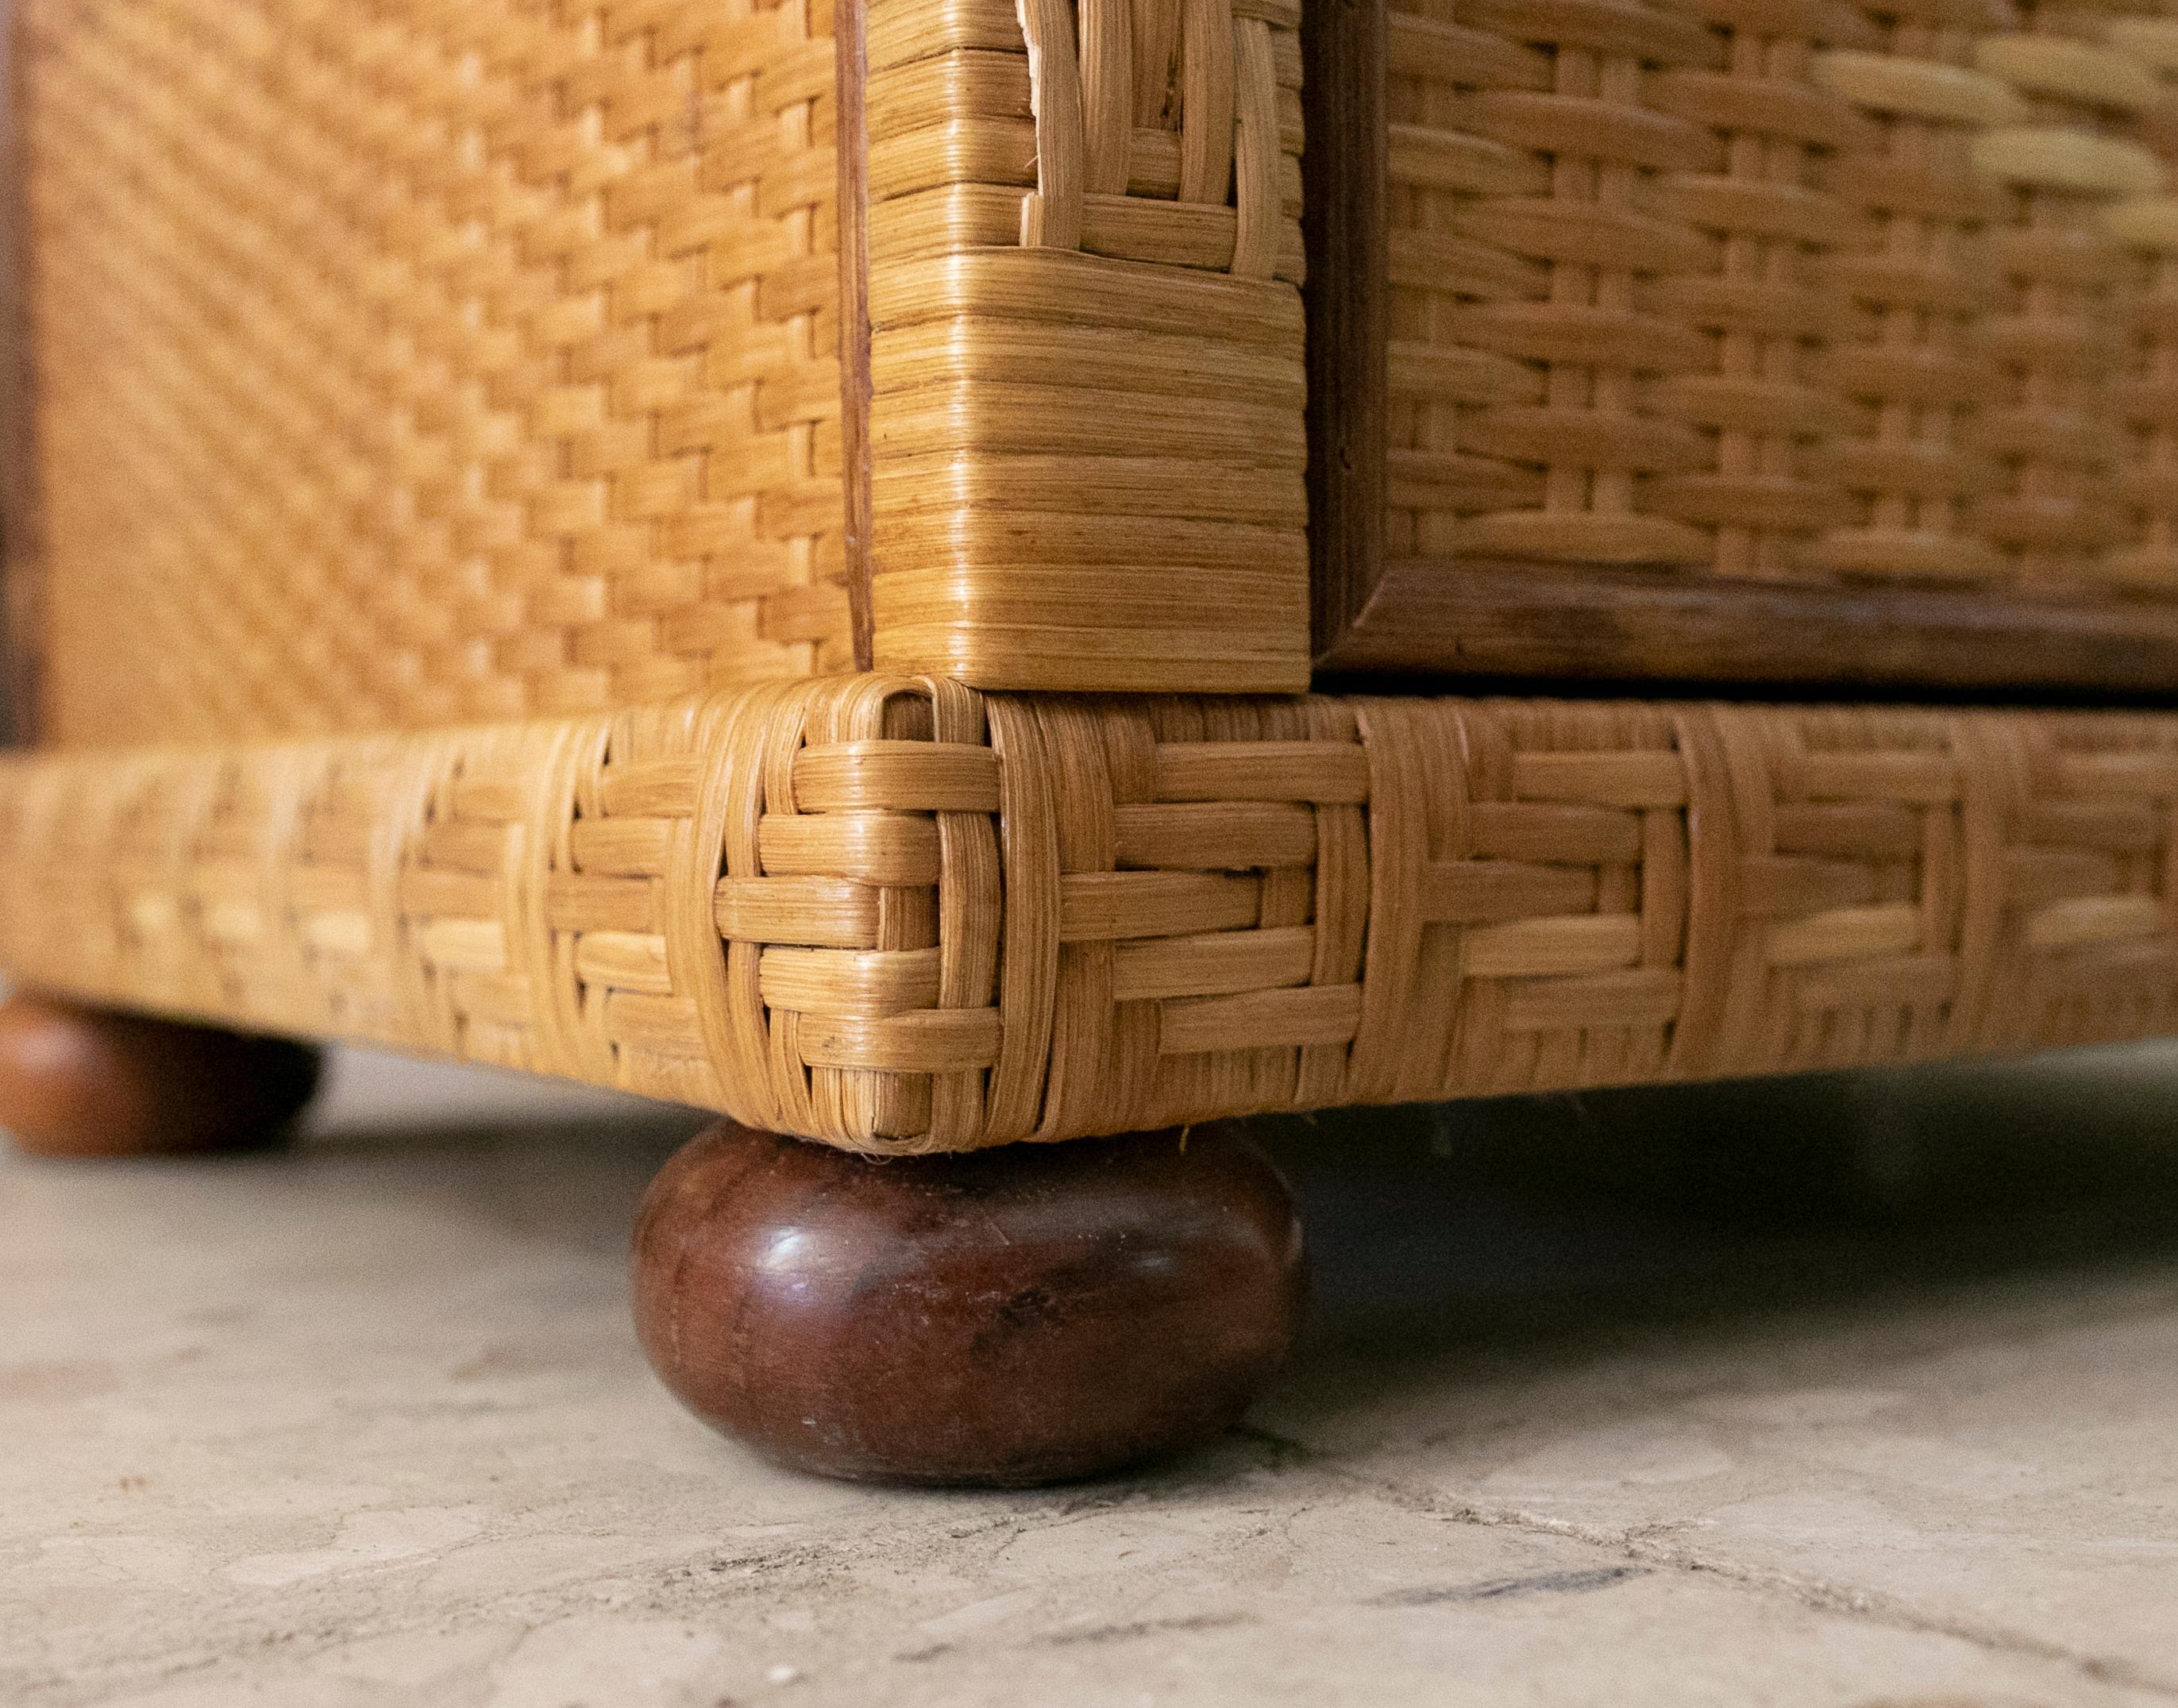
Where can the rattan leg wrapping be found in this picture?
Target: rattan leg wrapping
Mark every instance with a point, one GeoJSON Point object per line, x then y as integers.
{"type": "Point", "coordinates": [899, 915]}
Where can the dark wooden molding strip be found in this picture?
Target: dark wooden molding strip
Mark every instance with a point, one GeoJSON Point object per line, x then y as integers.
{"type": "Point", "coordinates": [1442, 620]}
{"type": "Point", "coordinates": [21, 597]}
{"type": "Point", "coordinates": [851, 62]}
{"type": "Point", "coordinates": [1343, 221]}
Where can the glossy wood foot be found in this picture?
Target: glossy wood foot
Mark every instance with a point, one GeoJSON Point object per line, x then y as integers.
{"type": "Point", "coordinates": [1026, 1315]}
{"type": "Point", "coordinates": [83, 1081]}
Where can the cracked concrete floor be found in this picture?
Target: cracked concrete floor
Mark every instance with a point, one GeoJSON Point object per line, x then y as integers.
{"type": "Point", "coordinates": [1855, 1392]}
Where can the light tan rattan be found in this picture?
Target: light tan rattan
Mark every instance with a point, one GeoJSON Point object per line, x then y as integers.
{"type": "Point", "coordinates": [900, 915]}
{"type": "Point", "coordinates": [1786, 290]}
{"type": "Point", "coordinates": [403, 362]}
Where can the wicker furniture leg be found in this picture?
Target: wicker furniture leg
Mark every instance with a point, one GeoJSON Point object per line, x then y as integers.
{"type": "Point", "coordinates": [1016, 1316]}
{"type": "Point", "coordinates": [77, 1080]}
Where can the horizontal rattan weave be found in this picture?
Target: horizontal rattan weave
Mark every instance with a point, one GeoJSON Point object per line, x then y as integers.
{"type": "Point", "coordinates": [900, 915]}
{"type": "Point", "coordinates": [1870, 291]}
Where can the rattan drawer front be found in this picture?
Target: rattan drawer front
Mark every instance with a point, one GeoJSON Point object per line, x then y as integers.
{"type": "Point", "coordinates": [1739, 342]}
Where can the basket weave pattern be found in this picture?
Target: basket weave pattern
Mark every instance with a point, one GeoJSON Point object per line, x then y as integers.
{"type": "Point", "coordinates": [406, 362]}
{"type": "Point", "coordinates": [1805, 290]}
{"type": "Point", "coordinates": [899, 915]}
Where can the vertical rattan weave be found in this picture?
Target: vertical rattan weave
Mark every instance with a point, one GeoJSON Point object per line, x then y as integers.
{"type": "Point", "coordinates": [2147, 227]}
{"type": "Point", "coordinates": [2054, 338]}
{"type": "Point", "coordinates": [1916, 279]}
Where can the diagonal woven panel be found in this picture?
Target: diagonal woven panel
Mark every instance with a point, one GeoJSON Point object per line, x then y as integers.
{"type": "Point", "coordinates": [899, 915]}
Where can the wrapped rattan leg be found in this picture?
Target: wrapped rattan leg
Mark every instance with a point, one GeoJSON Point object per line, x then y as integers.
{"type": "Point", "coordinates": [1019, 1316]}
{"type": "Point", "coordinates": [83, 1081]}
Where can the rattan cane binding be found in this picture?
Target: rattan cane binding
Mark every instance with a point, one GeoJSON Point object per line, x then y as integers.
{"type": "Point", "coordinates": [1086, 343]}
{"type": "Point", "coordinates": [399, 366]}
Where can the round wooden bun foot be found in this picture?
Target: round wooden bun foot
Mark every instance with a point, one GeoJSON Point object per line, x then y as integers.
{"type": "Point", "coordinates": [1023, 1315]}
{"type": "Point", "coordinates": [83, 1081]}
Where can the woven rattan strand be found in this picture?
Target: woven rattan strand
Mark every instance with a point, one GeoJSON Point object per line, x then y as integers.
{"type": "Point", "coordinates": [403, 363]}
{"type": "Point", "coordinates": [899, 915]}
{"type": "Point", "coordinates": [1086, 343]}
{"type": "Point", "coordinates": [1816, 291]}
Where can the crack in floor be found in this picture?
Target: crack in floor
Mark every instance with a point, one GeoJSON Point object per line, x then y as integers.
{"type": "Point", "coordinates": [1648, 1545]}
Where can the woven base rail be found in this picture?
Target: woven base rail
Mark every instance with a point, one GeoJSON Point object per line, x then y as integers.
{"type": "Point", "coordinates": [897, 915]}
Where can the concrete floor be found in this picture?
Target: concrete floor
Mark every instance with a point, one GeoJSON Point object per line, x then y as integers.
{"type": "Point", "coordinates": [1859, 1393]}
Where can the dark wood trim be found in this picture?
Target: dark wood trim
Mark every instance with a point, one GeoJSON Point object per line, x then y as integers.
{"type": "Point", "coordinates": [1345, 183]}
{"type": "Point", "coordinates": [851, 122]}
{"type": "Point", "coordinates": [21, 597]}
{"type": "Point", "coordinates": [1447, 620]}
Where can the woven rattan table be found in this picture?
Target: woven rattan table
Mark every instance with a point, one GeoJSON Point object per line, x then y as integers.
{"type": "Point", "coordinates": [775, 556]}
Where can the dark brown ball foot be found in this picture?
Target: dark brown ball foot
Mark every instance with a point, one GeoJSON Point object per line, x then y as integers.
{"type": "Point", "coordinates": [83, 1081]}
{"type": "Point", "coordinates": [1025, 1315]}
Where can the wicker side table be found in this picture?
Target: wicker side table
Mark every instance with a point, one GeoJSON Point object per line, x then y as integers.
{"type": "Point", "coordinates": [779, 567]}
